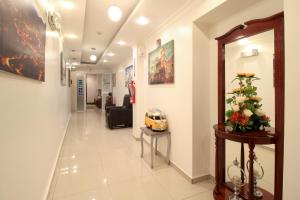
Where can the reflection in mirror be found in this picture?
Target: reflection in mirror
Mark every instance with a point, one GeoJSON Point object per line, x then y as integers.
{"type": "Point", "coordinates": [254, 55]}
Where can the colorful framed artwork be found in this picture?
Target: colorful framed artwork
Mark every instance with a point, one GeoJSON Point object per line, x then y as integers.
{"type": "Point", "coordinates": [128, 75]}
{"type": "Point", "coordinates": [22, 39]}
{"type": "Point", "coordinates": [161, 64]}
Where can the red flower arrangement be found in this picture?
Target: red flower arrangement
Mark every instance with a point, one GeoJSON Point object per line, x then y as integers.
{"type": "Point", "coordinates": [246, 113]}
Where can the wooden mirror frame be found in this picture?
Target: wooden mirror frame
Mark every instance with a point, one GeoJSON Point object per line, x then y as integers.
{"type": "Point", "coordinates": [251, 28]}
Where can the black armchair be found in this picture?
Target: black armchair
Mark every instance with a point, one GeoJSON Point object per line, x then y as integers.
{"type": "Point", "coordinates": [117, 116]}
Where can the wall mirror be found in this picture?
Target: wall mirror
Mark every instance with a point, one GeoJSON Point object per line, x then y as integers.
{"type": "Point", "coordinates": [254, 54]}
{"type": "Point", "coordinates": [257, 46]}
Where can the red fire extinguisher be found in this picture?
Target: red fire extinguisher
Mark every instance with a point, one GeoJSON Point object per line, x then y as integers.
{"type": "Point", "coordinates": [132, 92]}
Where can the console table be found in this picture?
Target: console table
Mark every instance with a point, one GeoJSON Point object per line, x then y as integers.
{"type": "Point", "coordinates": [155, 135]}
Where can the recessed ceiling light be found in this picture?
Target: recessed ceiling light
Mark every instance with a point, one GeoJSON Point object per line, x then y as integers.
{"type": "Point", "coordinates": [52, 34]}
{"type": "Point", "coordinates": [105, 61]}
{"type": "Point", "coordinates": [49, 7]}
{"type": "Point", "coordinates": [71, 36]}
{"type": "Point", "coordinates": [115, 13]}
{"type": "Point", "coordinates": [142, 20]}
{"type": "Point", "coordinates": [75, 63]}
{"type": "Point", "coordinates": [111, 54]}
{"type": "Point", "coordinates": [67, 4]}
{"type": "Point", "coordinates": [122, 43]}
{"type": "Point", "coordinates": [93, 58]}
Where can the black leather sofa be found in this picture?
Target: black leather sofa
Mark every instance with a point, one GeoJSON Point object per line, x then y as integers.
{"type": "Point", "coordinates": [119, 116]}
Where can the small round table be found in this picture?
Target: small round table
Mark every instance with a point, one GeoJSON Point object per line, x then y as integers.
{"type": "Point", "coordinates": [222, 189]}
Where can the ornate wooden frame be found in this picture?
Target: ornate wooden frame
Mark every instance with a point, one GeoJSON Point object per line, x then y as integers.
{"type": "Point", "coordinates": [250, 28]}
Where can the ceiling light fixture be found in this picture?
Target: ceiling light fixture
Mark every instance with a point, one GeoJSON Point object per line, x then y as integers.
{"type": "Point", "coordinates": [121, 43]}
{"type": "Point", "coordinates": [52, 34]}
{"type": "Point", "coordinates": [67, 4]}
{"type": "Point", "coordinates": [93, 58]}
{"type": "Point", "coordinates": [75, 63]}
{"type": "Point", "coordinates": [114, 13]}
{"type": "Point", "coordinates": [47, 5]}
{"type": "Point", "coordinates": [71, 36]}
{"type": "Point", "coordinates": [143, 21]}
{"type": "Point", "coordinates": [111, 54]}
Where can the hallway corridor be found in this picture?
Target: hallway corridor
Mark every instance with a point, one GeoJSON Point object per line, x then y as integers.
{"type": "Point", "coordinates": [96, 163]}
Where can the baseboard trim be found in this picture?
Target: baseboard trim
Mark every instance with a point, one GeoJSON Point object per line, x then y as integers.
{"type": "Point", "coordinates": [136, 138]}
{"type": "Point", "coordinates": [48, 188]}
{"type": "Point", "coordinates": [201, 178]}
{"type": "Point", "coordinates": [180, 171]}
{"type": "Point", "coordinates": [187, 177]}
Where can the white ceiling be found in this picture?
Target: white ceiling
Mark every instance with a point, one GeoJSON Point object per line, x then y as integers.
{"type": "Point", "coordinates": [90, 16]}
{"type": "Point", "coordinates": [97, 20]}
{"type": "Point", "coordinates": [72, 23]}
{"type": "Point", "coordinates": [157, 11]}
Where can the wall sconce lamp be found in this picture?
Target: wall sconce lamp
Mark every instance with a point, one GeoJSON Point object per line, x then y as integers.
{"type": "Point", "coordinates": [249, 53]}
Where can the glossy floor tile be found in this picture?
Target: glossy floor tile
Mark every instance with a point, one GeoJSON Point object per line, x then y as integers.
{"type": "Point", "coordinates": [96, 163]}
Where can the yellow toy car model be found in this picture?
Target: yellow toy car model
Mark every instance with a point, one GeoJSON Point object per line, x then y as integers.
{"type": "Point", "coordinates": [156, 120]}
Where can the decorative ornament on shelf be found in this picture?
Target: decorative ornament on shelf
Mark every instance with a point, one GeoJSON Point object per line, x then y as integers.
{"type": "Point", "coordinates": [234, 173]}
{"type": "Point", "coordinates": [246, 113]}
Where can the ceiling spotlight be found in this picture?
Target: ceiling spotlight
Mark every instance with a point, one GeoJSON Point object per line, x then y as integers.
{"type": "Point", "coordinates": [142, 21]}
{"type": "Point", "coordinates": [49, 7]}
{"type": "Point", "coordinates": [110, 54]}
{"type": "Point", "coordinates": [71, 36]}
{"type": "Point", "coordinates": [75, 63]}
{"type": "Point", "coordinates": [105, 61]}
{"type": "Point", "coordinates": [122, 43]}
{"type": "Point", "coordinates": [52, 34]}
{"type": "Point", "coordinates": [67, 4]}
{"type": "Point", "coordinates": [114, 13]}
{"type": "Point", "coordinates": [93, 58]}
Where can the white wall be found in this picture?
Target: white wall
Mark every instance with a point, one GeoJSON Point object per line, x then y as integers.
{"type": "Point", "coordinates": [120, 90]}
{"type": "Point", "coordinates": [292, 96]}
{"type": "Point", "coordinates": [33, 121]}
{"type": "Point", "coordinates": [188, 118]}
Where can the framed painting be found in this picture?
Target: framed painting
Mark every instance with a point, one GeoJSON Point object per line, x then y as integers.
{"type": "Point", "coordinates": [161, 64]}
{"type": "Point", "coordinates": [22, 39]}
{"type": "Point", "coordinates": [63, 70]}
{"type": "Point", "coordinates": [128, 75]}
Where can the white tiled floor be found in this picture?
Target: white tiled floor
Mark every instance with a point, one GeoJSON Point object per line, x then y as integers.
{"type": "Point", "coordinates": [101, 164]}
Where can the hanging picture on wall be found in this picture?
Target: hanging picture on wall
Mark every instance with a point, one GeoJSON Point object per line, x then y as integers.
{"type": "Point", "coordinates": [69, 78]}
{"type": "Point", "coordinates": [22, 39]}
{"type": "Point", "coordinates": [63, 70]}
{"type": "Point", "coordinates": [128, 75]}
{"type": "Point", "coordinates": [161, 64]}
